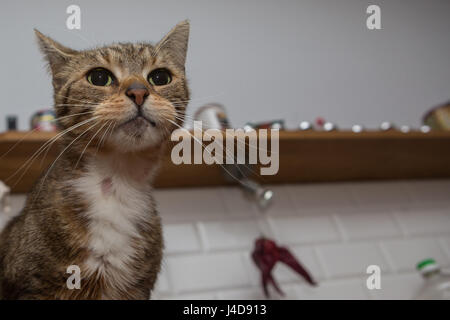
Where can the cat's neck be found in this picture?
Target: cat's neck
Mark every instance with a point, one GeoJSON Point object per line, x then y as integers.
{"type": "Point", "coordinates": [135, 167]}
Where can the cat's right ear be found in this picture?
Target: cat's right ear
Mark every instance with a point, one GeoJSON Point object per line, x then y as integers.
{"type": "Point", "coordinates": [176, 42]}
{"type": "Point", "coordinates": [55, 53]}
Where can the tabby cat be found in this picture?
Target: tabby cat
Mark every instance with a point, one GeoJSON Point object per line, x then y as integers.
{"type": "Point", "coordinates": [93, 209]}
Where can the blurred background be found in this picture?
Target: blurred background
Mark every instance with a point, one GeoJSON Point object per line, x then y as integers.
{"type": "Point", "coordinates": [343, 199]}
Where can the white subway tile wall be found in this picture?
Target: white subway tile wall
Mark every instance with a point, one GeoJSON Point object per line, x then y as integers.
{"type": "Point", "coordinates": [335, 229]}
{"type": "Point", "coordinates": [350, 259]}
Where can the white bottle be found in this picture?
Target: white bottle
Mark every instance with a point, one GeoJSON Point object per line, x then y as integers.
{"type": "Point", "coordinates": [437, 283]}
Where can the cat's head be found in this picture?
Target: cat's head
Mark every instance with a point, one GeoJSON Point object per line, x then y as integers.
{"type": "Point", "coordinates": [127, 96]}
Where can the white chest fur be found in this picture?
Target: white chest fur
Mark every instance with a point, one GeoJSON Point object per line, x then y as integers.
{"type": "Point", "coordinates": [116, 205]}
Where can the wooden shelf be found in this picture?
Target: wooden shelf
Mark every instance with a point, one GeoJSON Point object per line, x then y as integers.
{"type": "Point", "coordinates": [305, 156]}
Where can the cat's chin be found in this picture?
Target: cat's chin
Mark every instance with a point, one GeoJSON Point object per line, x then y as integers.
{"type": "Point", "coordinates": [136, 136]}
{"type": "Point", "coordinates": [137, 125]}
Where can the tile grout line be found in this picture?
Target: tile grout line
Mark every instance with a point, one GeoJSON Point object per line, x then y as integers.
{"type": "Point", "coordinates": [321, 263]}
{"type": "Point", "coordinates": [387, 257]}
{"type": "Point", "coordinates": [201, 235]}
{"type": "Point", "coordinates": [340, 228]}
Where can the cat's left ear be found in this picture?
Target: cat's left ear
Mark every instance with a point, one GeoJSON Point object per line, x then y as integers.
{"type": "Point", "coordinates": [55, 53]}
{"type": "Point", "coordinates": [175, 43]}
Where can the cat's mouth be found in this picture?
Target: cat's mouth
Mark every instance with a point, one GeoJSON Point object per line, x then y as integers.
{"type": "Point", "coordinates": [137, 126]}
{"type": "Point", "coordinates": [139, 121]}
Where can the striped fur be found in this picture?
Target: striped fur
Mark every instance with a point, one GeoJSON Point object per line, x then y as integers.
{"type": "Point", "coordinates": [94, 207]}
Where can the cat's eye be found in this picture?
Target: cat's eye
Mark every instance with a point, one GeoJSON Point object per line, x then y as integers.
{"type": "Point", "coordinates": [100, 77]}
{"type": "Point", "coordinates": [159, 77]}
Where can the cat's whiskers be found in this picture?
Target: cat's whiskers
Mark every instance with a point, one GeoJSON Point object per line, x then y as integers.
{"type": "Point", "coordinates": [185, 117]}
{"type": "Point", "coordinates": [62, 152]}
{"type": "Point", "coordinates": [230, 154]}
{"type": "Point", "coordinates": [78, 105]}
{"type": "Point", "coordinates": [110, 132]}
{"type": "Point", "coordinates": [47, 144]}
{"type": "Point", "coordinates": [69, 116]}
{"type": "Point", "coordinates": [198, 99]}
{"type": "Point", "coordinates": [36, 129]}
{"type": "Point", "coordinates": [73, 115]}
{"type": "Point", "coordinates": [92, 138]}
{"type": "Point", "coordinates": [208, 124]}
{"type": "Point", "coordinates": [99, 144]}
{"type": "Point", "coordinates": [227, 152]}
{"type": "Point", "coordinates": [73, 99]}
{"type": "Point", "coordinates": [200, 142]}
{"type": "Point", "coordinates": [74, 105]}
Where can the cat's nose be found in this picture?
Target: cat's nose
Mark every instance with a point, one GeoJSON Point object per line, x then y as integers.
{"type": "Point", "coordinates": [137, 92]}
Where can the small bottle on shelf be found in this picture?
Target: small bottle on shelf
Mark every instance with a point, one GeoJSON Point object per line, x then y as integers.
{"type": "Point", "coordinates": [11, 123]}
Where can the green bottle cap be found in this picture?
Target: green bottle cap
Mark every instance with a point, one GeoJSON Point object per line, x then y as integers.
{"type": "Point", "coordinates": [427, 262]}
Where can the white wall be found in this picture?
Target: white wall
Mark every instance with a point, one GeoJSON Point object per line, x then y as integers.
{"type": "Point", "coordinates": [263, 59]}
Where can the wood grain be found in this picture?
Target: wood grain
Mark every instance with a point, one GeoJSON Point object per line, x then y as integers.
{"type": "Point", "coordinates": [305, 156]}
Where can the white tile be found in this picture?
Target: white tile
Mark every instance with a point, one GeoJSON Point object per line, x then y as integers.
{"type": "Point", "coordinates": [433, 191]}
{"type": "Point", "coordinates": [424, 221]}
{"type": "Point", "coordinates": [307, 229]}
{"type": "Point", "coordinates": [345, 289]}
{"type": "Point", "coordinates": [365, 224]}
{"type": "Point", "coordinates": [188, 205]}
{"type": "Point", "coordinates": [398, 287]}
{"type": "Point", "coordinates": [350, 258]}
{"type": "Point", "coordinates": [157, 296]}
{"type": "Point", "coordinates": [207, 271]}
{"type": "Point", "coordinates": [381, 194]}
{"type": "Point", "coordinates": [252, 270]}
{"type": "Point", "coordinates": [445, 241]}
{"type": "Point", "coordinates": [320, 196]}
{"type": "Point", "coordinates": [180, 238]}
{"type": "Point", "coordinates": [162, 285]}
{"type": "Point", "coordinates": [240, 234]}
{"type": "Point", "coordinates": [406, 253]}
{"type": "Point", "coordinates": [242, 294]}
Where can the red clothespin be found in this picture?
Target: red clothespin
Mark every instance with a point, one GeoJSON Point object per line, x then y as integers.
{"type": "Point", "coordinates": [266, 254]}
